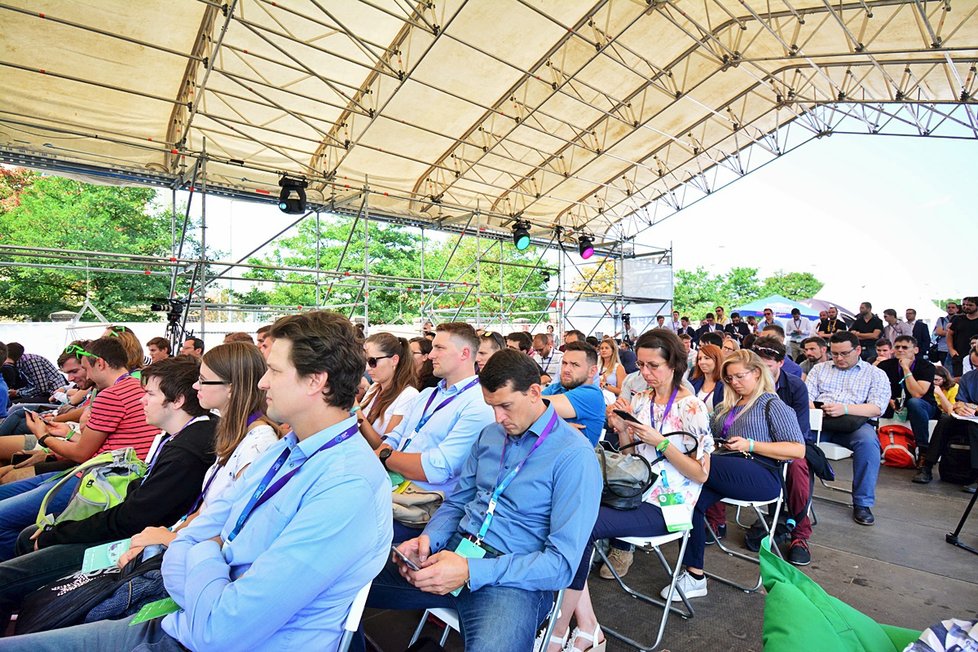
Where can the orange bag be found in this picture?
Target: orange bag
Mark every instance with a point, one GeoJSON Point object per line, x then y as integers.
{"type": "Point", "coordinates": [898, 446]}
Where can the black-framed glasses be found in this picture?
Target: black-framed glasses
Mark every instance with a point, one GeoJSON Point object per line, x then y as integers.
{"type": "Point", "coordinates": [202, 381]}
{"type": "Point", "coordinates": [372, 362]}
{"type": "Point", "coordinates": [74, 349]}
{"type": "Point", "coordinates": [841, 354]}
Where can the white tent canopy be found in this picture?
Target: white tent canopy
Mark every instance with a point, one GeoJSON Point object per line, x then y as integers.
{"type": "Point", "coordinates": [900, 294]}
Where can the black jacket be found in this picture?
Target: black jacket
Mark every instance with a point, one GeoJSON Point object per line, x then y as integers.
{"type": "Point", "coordinates": [159, 499]}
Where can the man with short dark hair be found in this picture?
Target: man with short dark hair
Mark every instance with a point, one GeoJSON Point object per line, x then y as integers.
{"type": "Point", "coordinates": [507, 537]}
{"type": "Point", "coordinates": [708, 325]}
{"type": "Point", "coordinates": [768, 320]}
{"type": "Point", "coordinates": [940, 333]}
{"type": "Point", "coordinates": [911, 389]}
{"type": "Point", "coordinates": [920, 332]}
{"type": "Point", "coordinates": [686, 329]}
{"type": "Point", "coordinates": [572, 335]}
{"type": "Point", "coordinates": [797, 330]}
{"type": "Point", "coordinates": [575, 398]}
{"type": "Point", "coordinates": [831, 324]}
{"type": "Point", "coordinates": [159, 349]}
{"type": "Point", "coordinates": [737, 327]}
{"type": "Point", "coordinates": [676, 325]}
{"type": "Point", "coordinates": [868, 328]}
{"type": "Point", "coordinates": [264, 340]}
{"type": "Point", "coordinates": [815, 349]}
{"type": "Point", "coordinates": [884, 351]}
{"type": "Point", "coordinates": [549, 357]}
{"type": "Point", "coordinates": [894, 327]}
{"type": "Point", "coordinates": [627, 356]}
{"type": "Point", "coordinates": [852, 392]}
{"type": "Point", "coordinates": [193, 346]}
{"type": "Point", "coordinates": [790, 366]}
{"type": "Point", "coordinates": [959, 333]}
{"type": "Point", "coordinates": [38, 377]}
{"type": "Point", "coordinates": [520, 341]}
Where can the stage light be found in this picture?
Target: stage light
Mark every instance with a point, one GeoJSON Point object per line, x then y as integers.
{"type": "Point", "coordinates": [521, 235]}
{"type": "Point", "coordinates": [292, 199]}
{"type": "Point", "coordinates": [585, 245]}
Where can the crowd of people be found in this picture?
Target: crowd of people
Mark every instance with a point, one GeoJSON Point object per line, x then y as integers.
{"type": "Point", "coordinates": [469, 451]}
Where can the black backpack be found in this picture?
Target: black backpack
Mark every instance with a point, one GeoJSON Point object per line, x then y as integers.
{"type": "Point", "coordinates": [957, 463]}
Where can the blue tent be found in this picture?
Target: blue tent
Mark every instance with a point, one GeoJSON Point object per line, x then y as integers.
{"type": "Point", "coordinates": [782, 307]}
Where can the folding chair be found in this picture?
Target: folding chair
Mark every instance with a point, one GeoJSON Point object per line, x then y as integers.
{"type": "Point", "coordinates": [450, 618]}
{"type": "Point", "coordinates": [352, 622]}
{"type": "Point", "coordinates": [652, 544]}
{"type": "Point", "coordinates": [833, 452]}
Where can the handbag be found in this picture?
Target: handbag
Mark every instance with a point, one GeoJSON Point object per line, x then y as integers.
{"type": "Point", "coordinates": [625, 478]}
{"type": "Point", "coordinates": [845, 424]}
{"type": "Point", "coordinates": [414, 507]}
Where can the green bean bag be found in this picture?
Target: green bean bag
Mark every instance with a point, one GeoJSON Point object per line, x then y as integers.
{"type": "Point", "coordinates": [800, 616]}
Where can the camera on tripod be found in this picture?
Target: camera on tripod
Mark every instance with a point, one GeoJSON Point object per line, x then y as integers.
{"type": "Point", "coordinates": [173, 308]}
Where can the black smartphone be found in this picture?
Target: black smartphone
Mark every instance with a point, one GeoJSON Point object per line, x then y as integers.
{"type": "Point", "coordinates": [407, 560]}
{"type": "Point", "coordinates": [720, 441]}
{"type": "Point", "coordinates": [17, 458]}
{"type": "Point", "coordinates": [818, 404]}
{"type": "Point", "coordinates": [627, 416]}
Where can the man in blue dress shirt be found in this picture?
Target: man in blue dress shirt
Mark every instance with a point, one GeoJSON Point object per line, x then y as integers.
{"type": "Point", "coordinates": [278, 576]}
{"type": "Point", "coordinates": [575, 398]}
{"type": "Point", "coordinates": [514, 528]}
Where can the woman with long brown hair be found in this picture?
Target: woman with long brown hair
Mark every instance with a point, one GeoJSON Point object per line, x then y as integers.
{"type": "Point", "coordinates": [390, 364]}
{"type": "Point", "coordinates": [420, 348]}
{"type": "Point", "coordinates": [706, 375]}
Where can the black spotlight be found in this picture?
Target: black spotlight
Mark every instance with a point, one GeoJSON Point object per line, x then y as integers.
{"type": "Point", "coordinates": [292, 199]}
{"type": "Point", "coordinates": [521, 235]}
{"type": "Point", "coordinates": [585, 245]}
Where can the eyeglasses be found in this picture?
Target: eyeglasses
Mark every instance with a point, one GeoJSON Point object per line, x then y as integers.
{"type": "Point", "coordinates": [901, 347]}
{"type": "Point", "coordinates": [841, 354]}
{"type": "Point", "coordinates": [74, 349]}
{"type": "Point", "coordinates": [743, 374]}
{"type": "Point", "coordinates": [372, 362]}
{"type": "Point", "coordinates": [115, 331]}
{"type": "Point", "coordinates": [201, 381]}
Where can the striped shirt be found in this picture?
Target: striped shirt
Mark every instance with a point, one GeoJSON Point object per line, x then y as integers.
{"type": "Point", "coordinates": [41, 376]}
{"type": "Point", "coordinates": [118, 411]}
{"type": "Point", "coordinates": [753, 423]}
{"type": "Point", "coordinates": [857, 385]}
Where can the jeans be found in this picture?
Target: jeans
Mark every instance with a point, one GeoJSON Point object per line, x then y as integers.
{"type": "Point", "coordinates": [492, 619]}
{"type": "Point", "coordinates": [33, 569]}
{"type": "Point", "coordinates": [866, 451]}
{"type": "Point", "coordinates": [919, 412]}
{"type": "Point", "coordinates": [15, 422]}
{"type": "Point", "coordinates": [731, 476]}
{"type": "Point", "coordinates": [20, 502]}
{"type": "Point", "coordinates": [404, 533]}
{"type": "Point", "coordinates": [115, 635]}
{"type": "Point", "coordinates": [646, 521]}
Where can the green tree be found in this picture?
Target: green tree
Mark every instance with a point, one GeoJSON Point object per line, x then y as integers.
{"type": "Point", "coordinates": [737, 287]}
{"type": "Point", "coordinates": [60, 214]}
{"type": "Point", "coordinates": [694, 292]}
{"type": "Point", "coordinates": [793, 285]}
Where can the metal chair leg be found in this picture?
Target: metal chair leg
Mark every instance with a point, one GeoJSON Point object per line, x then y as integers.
{"type": "Point", "coordinates": [750, 558]}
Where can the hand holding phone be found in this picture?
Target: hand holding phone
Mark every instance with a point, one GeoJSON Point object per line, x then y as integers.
{"type": "Point", "coordinates": [818, 404]}
{"type": "Point", "coordinates": [407, 560]}
{"type": "Point", "coordinates": [720, 441]}
{"type": "Point", "coordinates": [626, 416]}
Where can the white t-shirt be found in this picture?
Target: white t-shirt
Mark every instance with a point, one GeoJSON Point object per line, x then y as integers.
{"type": "Point", "coordinates": [399, 407]}
{"type": "Point", "coordinates": [255, 443]}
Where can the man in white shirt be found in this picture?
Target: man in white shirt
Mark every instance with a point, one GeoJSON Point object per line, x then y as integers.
{"type": "Point", "coordinates": [549, 357]}
{"type": "Point", "coordinates": [797, 329]}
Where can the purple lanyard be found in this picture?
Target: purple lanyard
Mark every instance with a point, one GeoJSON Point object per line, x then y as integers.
{"type": "Point", "coordinates": [254, 416]}
{"type": "Point", "coordinates": [261, 496]}
{"type": "Point", "coordinates": [672, 399]}
{"type": "Point", "coordinates": [728, 422]}
{"type": "Point", "coordinates": [207, 485]}
{"type": "Point", "coordinates": [427, 417]}
{"type": "Point", "coordinates": [165, 439]}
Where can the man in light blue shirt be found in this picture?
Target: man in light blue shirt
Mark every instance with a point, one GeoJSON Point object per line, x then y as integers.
{"type": "Point", "coordinates": [547, 486]}
{"type": "Point", "coordinates": [282, 575]}
{"type": "Point", "coordinates": [574, 398]}
{"type": "Point", "coordinates": [432, 441]}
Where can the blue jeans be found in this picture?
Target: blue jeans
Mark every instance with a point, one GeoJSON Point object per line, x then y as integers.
{"type": "Point", "coordinates": [866, 451]}
{"type": "Point", "coordinates": [492, 619]}
{"type": "Point", "coordinates": [645, 521]}
{"type": "Point", "coordinates": [404, 533]}
{"type": "Point", "coordinates": [20, 502]}
{"type": "Point", "coordinates": [919, 412]}
{"type": "Point", "coordinates": [115, 635]}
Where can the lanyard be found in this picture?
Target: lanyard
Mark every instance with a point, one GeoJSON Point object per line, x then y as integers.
{"type": "Point", "coordinates": [260, 496]}
{"type": "Point", "coordinates": [672, 398]}
{"type": "Point", "coordinates": [426, 417]}
{"type": "Point", "coordinates": [165, 439]}
{"type": "Point", "coordinates": [203, 492]}
{"type": "Point", "coordinates": [728, 422]}
{"type": "Point", "coordinates": [501, 486]}
{"type": "Point", "coordinates": [904, 379]}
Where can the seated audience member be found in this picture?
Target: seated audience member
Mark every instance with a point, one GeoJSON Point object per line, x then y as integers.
{"type": "Point", "coordinates": [505, 557]}
{"type": "Point", "coordinates": [797, 330]}
{"type": "Point", "coordinates": [8, 372]}
{"type": "Point", "coordinates": [549, 357]}
{"type": "Point", "coordinates": [192, 346]}
{"type": "Point", "coordinates": [965, 405]}
{"type": "Point", "coordinates": [690, 351]}
{"type": "Point", "coordinates": [686, 329]}
{"type": "Point", "coordinates": [748, 425]}
{"type": "Point", "coordinates": [706, 376]}
{"type": "Point", "coordinates": [238, 336]}
{"type": "Point", "coordinates": [775, 331]}
{"type": "Point", "coordinates": [575, 398]}
{"type": "Point", "coordinates": [960, 330]}
{"type": "Point", "coordinates": [945, 389]}
{"type": "Point", "coordinates": [894, 327]}
{"type": "Point", "coordinates": [793, 392]}
{"type": "Point", "coordinates": [868, 328]}
{"type": "Point", "coordinates": [831, 324]}
{"type": "Point", "coordinates": [489, 343]}
{"type": "Point", "coordinates": [884, 351]}
{"type": "Point", "coordinates": [667, 407]}
{"type": "Point", "coordinates": [593, 341]}
{"type": "Point", "coordinates": [393, 391]}
{"type": "Point", "coordinates": [420, 350]}
{"type": "Point", "coordinates": [730, 344]}
{"type": "Point", "coordinates": [135, 360]}
{"type": "Point", "coordinates": [970, 361]}
{"type": "Point", "coordinates": [737, 327]}
{"type": "Point", "coordinates": [224, 566]}
{"type": "Point", "coordinates": [429, 446]}
{"type": "Point", "coordinates": [4, 389]}
{"type": "Point", "coordinates": [610, 370]}
{"type": "Point", "coordinates": [708, 325]}
{"type": "Point", "coordinates": [227, 383]}
{"type": "Point", "coordinates": [633, 384]}
{"type": "Point", "coordinates": [117, 420]}
{"type": "Point", "coordinates": [37, 377]}
{"type": "Point", "coordinates": [816, 351]}
{"type": "Point", "coordinates": [172, 481]}
{"type": "Point", "coordinates": [627, 357]}
{"type": "Point", "coordinates": [713, 338]}
{"type": "Point", "coordinates": [911, 388]}
{"type": "Point", "coordinates": [263, 340]}
{"type": "Point", "coordinates": [520, 341]}
{"type": "Point", "coordinates": [721, 318]}
{"type": "Point", "coordinates": [573, 336]}
{"type": "Point", "coordinates": [852, 392]}
{"type": "Point", "coordinates": [920, 332]}
{"type": "Point", "coordinates": [159, 349]}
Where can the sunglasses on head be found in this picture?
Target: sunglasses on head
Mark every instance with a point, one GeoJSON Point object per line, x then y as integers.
{"type": "Point", "coordinates": [372, 362]}
{"type": "Point", "coordinates": [74, 349]}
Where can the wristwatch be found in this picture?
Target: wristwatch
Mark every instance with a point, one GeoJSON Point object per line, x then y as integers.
{"type": "Point", "coordinates": [384, 455]}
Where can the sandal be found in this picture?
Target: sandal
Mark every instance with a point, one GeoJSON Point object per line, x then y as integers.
{"type": "Point", "coordinates": [579, 633]}
{"type": "Point", "coordinates": [554, 640]}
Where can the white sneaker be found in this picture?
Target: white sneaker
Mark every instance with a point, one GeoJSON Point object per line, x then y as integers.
{"type": "Point", "coordinates": [691, 587]}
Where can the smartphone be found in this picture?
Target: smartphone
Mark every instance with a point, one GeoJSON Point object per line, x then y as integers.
{"type": "Point", "coordinates": [407, 560]}
{"type": "Point", "coordinates": [17, 458]}
{"type": "Point", "coordinates": [627, 416]}
{"type": "Point", "coordinates": [818, 404]}
{"type": "Point", "coordinates": [720, 441]}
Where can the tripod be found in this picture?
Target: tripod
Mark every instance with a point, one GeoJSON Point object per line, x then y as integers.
{"type": "Point", "coordinates": [952, 537]}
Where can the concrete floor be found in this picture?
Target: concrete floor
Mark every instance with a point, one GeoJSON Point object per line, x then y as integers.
{"type": "Point", "coordinates": [901, 571]}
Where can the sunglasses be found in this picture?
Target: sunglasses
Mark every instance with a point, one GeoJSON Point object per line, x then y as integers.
{"type": "Point", "coordinates": [767, 351]}
{"type": "Point", "coordinates": [115, 331]}
{"type": "Point", "coordinates": [372, 362]}
{"type": "Point", "coordinates": [74, 349]}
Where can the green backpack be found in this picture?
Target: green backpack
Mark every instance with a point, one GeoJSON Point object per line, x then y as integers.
{"type": "Point", "coordinates": [104, 484]}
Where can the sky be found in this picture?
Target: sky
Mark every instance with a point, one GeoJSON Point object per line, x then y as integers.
{"type": "Point", "coordinates": [867, 215]}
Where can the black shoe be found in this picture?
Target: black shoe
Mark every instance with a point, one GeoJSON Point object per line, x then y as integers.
{"type": "Point", "coordinates": [799, 554]}
{"type": "Point", "coordinates": [753, 537]}
{"type": "Point", "coordinates": [862, 515]}
{"type": "Point", "coordinates": [721, 531]}
{"type": "Point", "coordinates": [970, 488]}
{"type": "Point", "coordinates": [924, 475]}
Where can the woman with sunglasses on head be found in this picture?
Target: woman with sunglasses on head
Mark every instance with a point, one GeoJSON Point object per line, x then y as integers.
{"type": "Point", "coordinates": [763, 431]}
{"type": "Point", "coordinates": [135, 358]}
{"type": "Point", "coordinates": [682, 462]}
{"type": "Point", "coordinates": [228, 384]}
{"type": "Point", "coordinates": [390, 364]}
{"type": "Point", "coordinates": [420, 348]}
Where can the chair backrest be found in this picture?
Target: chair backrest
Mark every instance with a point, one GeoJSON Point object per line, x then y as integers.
{"type": "Point", "coordinates": [815, 422]}
{"type": "Point", "coordinates": [352, 623]}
